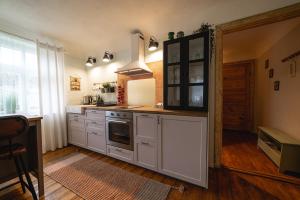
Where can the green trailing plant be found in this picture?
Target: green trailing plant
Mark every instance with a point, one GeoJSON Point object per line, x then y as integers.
{"type": "Point", "coordinates": [210, 28]}
{"type": "Point", "coordinates": [99, 101]}
{"type": "Point", "coordinates": [106, 85]}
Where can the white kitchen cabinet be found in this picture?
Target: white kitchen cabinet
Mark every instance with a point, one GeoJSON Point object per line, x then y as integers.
{"type": "Point", "coordinates": [76, 130]}
{"type": "Point", "coordinates": [95, 130]}
{"type": "Point", "coordinates": [145, 140]}
{"type": "Point", "coordinates": [182, 147]}
{"type": "Point", "coordinates": [119, 153]}
{"type": "Point", "coordinates": [98, 115]}
{"type": "Point", "coordinates": [96, 140]}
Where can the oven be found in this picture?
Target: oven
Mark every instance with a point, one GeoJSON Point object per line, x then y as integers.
{"type": "Point", "coordinates": [119, 129]}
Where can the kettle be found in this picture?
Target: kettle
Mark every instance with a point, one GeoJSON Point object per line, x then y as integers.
{"type": "Point", "coordinates": [87, 100]}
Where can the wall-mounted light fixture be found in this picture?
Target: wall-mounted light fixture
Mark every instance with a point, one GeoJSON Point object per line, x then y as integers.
{"type": "Point", "coordinates": [107, 57]}
{"type": "Point", "coordinates": [153, 44]}
{"type": "Point", "coordinates": [90, 61]}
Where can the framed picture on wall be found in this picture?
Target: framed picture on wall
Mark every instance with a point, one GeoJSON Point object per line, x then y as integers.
{"type": "Point", "coordinates": [276, 85]}
{"type": "Point", "coordinates": [267, 64]}
{"type": "Point", "coordinates": [271, 73]}
{"type": "Point", "coordinates": [74, 83]}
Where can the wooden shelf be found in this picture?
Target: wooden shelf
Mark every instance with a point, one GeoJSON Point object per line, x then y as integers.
{"type": "Point", "coordinates": [281, 148]}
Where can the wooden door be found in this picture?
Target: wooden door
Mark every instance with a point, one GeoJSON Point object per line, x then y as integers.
{"type": "Point", "coordinates": [237, 95]}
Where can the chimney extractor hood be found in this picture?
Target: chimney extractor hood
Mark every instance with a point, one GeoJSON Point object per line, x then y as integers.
{"type": "Point", "coordinates": [137, 65]}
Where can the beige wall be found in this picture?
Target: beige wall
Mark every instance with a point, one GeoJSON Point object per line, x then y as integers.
{"type": "Point", "coordinates": [279, 109]}
{"type": "Point", "coordinates": [75, 67]}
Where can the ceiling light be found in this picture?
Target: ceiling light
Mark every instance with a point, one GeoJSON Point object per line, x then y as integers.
{"type": "Point", "coordinates": [153, 44]}
{"type": "Point", "coordinates": [90, 61]}
{"type": "Point", "coordinates": [107, 57]}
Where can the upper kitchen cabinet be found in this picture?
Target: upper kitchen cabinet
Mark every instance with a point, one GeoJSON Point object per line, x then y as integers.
{"type": "Point", "coordinates": [186, 62]}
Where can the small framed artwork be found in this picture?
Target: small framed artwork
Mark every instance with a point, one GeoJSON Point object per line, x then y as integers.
{"type": "Point", "coordinates": [74, 83]}
{"type": "Point", "coordinates": [267, 64]}
{"type": "Point", "coordinates": [271, 73]}
{"type": "Point", "coordinates": [276, 85]}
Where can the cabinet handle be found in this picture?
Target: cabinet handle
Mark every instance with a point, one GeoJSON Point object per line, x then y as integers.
{"type": "Point", "coordinates": [143, 115]}
{"type": "Point", "coordinates": [145, 143]}
{"type": "Point", "coordinates": [158, 120]}
{"type": "Point", "coordinates": [94, 122]}
{"type": "Point", "coordinates": [93, 111]}
{"type": "Point", "coordinates": [119, 150]}
{"type": "Point", "coordinates": [94, 133]}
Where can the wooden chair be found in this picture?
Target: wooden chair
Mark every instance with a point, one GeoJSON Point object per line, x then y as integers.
{"type": "Point", "coordinates": [10, 127]}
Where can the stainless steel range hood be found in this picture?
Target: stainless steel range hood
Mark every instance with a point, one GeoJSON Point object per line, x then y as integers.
{"type": "Point", "coordinates": [137, 65]}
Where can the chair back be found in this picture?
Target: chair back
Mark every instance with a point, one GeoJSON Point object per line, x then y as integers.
{"type": "Point", "coordinates": [12, 126]}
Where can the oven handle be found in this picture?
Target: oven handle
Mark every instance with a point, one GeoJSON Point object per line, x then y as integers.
{"type": "Point", "coordinates": [123, 122]}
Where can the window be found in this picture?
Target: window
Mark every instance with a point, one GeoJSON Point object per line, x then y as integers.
{"type": "Point", "coordinates": [19, 91]}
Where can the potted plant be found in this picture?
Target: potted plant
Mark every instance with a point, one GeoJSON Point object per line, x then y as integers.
{"type": "Point", "coordinates": [99, 101]}
{"type": "Point", "coordinates": [11, 104]}
{"type": "Point", "coordinates": [106, 87]}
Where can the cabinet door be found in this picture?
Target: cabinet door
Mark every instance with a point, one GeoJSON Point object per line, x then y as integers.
{"type": "Point", "coordinates": [173, 74]}
{"type": "Point", "coordinates": [96, 140]}
{"type": "Point", "coordinates": [76, 130]}
{"type": "Point", "coordinates": [145, 140]}
{"type": "Point", "coordinates": [183, 148]}
{"type": "Point", "coordinates": [77, 136]}
{"type": "Point", "coordinates": [196, 74]}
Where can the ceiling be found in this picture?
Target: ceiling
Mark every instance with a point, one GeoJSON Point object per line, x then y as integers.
{"type": "Point", "coordinates": [89, 27]}
{"type": "Point", "coordinates": [252, 43]}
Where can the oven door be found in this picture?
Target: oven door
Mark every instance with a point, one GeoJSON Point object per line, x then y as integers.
{"type": "Point", "coordinates": [119, 133]}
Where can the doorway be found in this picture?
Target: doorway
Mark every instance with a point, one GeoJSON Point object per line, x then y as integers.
{"type": "Point", "coordinates": [238, 119]}
{"type": "Point", "coordinates": [238, 96]}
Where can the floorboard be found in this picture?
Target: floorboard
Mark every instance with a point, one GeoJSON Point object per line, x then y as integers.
{"type": "Point", "coordinates": [224, 184]}
{"type": "Point", "coordinates": [240, 153]}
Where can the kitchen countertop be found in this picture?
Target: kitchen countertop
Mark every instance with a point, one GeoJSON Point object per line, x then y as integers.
{"type": "Point", "coordinates": [149, 109]}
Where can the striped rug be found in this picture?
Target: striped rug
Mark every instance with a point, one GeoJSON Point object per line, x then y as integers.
{"type": "Point", "coordinates": [93, 179]}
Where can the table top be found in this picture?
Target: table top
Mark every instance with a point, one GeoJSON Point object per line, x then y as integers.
{"type": "Point", "coordinates": [29, 117]}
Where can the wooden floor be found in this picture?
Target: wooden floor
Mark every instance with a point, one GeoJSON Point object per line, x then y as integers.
{"type": "Point", "coordinates": [240, 152]}
{"type": "Point", "coordinates": [223, 184]}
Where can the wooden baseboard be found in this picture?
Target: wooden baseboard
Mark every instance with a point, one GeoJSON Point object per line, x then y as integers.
{"type": "Point", "coordinates": [285, 179]}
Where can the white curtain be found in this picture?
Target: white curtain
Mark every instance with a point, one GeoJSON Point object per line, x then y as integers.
{"type": "Point", "coordinates": [51, 82]}
{"type": "Point", "coordinates": [19, 91]}
{"type": "Point", "coordinates": [31, 83]}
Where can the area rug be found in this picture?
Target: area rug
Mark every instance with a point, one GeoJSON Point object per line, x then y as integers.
{"type": "Point", "coordinates": [94, 179]}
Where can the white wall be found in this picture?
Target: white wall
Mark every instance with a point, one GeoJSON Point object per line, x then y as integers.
{"type": "Point", "coordinates": [279, 109]}
{"type": "Point", "coordinates": [75, 67]}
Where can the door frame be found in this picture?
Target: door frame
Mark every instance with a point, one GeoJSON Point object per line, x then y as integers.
{"type": "Point", "coordinates": [269, 17]}
{"type": "Point", "coordinates": [251, 85]}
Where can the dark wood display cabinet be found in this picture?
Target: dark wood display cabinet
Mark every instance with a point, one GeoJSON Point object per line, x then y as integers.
{"type": "Point", "coordinates": [186, 62]}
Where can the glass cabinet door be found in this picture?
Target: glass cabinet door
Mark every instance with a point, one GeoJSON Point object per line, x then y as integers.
{"type": "Point", "coordinates": [196, 72]}
{"type": "Point", "coordinates": [174, 53]}
{"type": "Point", "coordinates": [196, 49]}
{"type": "Point", "coordinates": [173, 71]}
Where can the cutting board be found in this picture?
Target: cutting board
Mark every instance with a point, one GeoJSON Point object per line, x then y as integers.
{"type": "Point", "coordinates": [141, 92]}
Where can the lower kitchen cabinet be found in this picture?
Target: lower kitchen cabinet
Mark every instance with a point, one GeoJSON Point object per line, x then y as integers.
{"type": "Point", "coordinates": [182, 147]}
{"type": "Point", "coordinates": [96, 140]}
{"type": "Point", "coordinates": [119, 153]}
{"type": "Point", "coordinates": [145, 136]}
{"type": "Point", "coordinates": [76, 130]}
